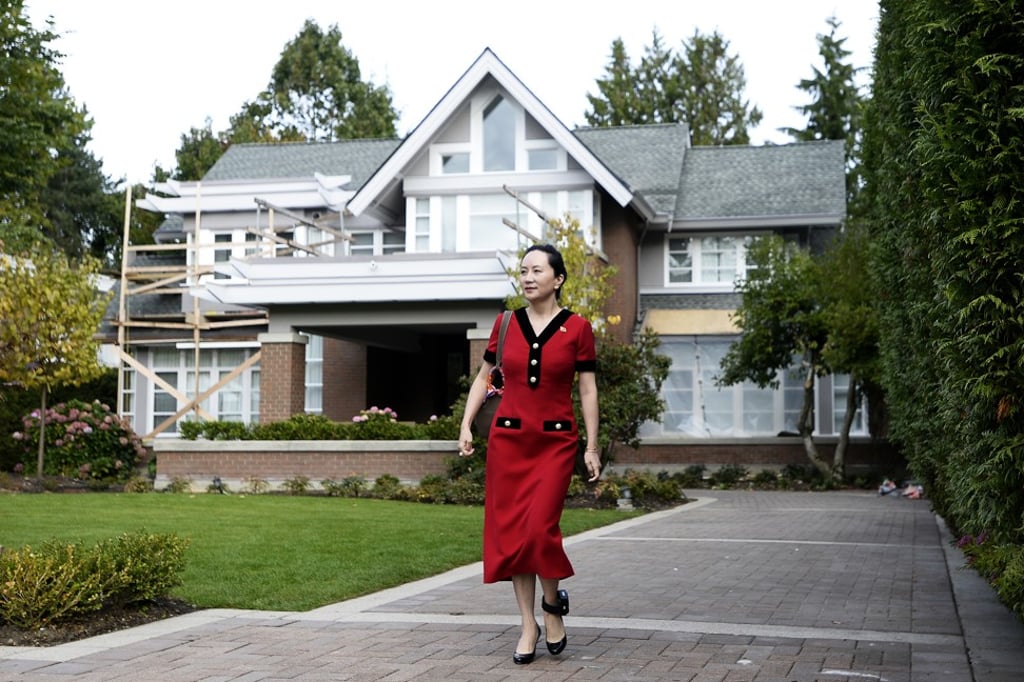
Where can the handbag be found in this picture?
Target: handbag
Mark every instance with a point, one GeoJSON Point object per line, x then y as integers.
{"type": "Point", "coordinates": [495, 386]}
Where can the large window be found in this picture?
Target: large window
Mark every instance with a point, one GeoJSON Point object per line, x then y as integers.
{"type": "Point", "coordinates": [486, 229]}
{"type": "Point", "coordinates": [177, 367]}
{"type": "Point", "coordinates": [696, 406]}
{"type": "Point", "coordinates": [707, 260]}
{"type": "Point", "coordinates": [499, 136]}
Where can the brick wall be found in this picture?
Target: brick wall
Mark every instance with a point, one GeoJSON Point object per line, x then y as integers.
{"type": "Point", "coordinates": [276, 461]}
{"type": "Point", "coordinates": [344, 379]}
{"type": "Point", "coordinates": [862, 456]}
{"type": "Point", "coordinates": [620, 245]}
{"type": "Point", "coordinates": [282, 380]}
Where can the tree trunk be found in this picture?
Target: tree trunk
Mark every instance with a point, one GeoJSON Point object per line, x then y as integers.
{"type": "Point", "coordinates": [806, 425]}
{"type": "Point", "coordinates": [42, 434]}
{"type": "Point", "coordinates": [839, 458]}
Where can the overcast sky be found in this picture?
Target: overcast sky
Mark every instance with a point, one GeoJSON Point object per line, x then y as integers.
{"type": "Point", "coordinates": [149, 71]}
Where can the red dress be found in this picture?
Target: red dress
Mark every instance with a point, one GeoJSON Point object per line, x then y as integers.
{"type": "Point", "coordinates": [532, 445]}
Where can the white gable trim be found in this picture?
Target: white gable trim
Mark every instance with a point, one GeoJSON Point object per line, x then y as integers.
{"type": "Point", "coordinates": [420, 138]}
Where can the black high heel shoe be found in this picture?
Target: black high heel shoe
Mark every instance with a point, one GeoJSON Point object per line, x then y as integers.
{"type": "Point", "coordinates": [523, 659]}
{"type": "Point", "coordinates": [560, 609]}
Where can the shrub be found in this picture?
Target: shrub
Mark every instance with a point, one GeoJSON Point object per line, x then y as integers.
{"type": "Point", "coordinates": [83, 439]}
{"type": "Point", "coordinates": [766, 479]}
{"type": "Point", "coordinates": [296, 485]}
{"type": "Point", "coordinates": [138, 484]}
{"type": "Point", "coordinates": [59, 581]}
{"type": "Point", "coordinates": [179, 484]}
{"type": "Point", "coordinates": [386, 486]}
{"type": "Point", "coordinates": [47, 584]}
{"type": "Point", "coordinates": [691, 477]}
{"type": "Point", "coordinates": [728, 475]}
{"type": "Point", "coordinates": [254, 485]}
{"type": "Point", "coordinates": [350, 486]}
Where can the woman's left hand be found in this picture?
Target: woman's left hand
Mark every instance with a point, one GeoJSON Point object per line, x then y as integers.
{"type": "Point", "coordinates": [593, 461]}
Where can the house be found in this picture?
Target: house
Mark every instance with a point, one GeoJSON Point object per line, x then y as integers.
{"type": "Point", "coordinates": [330, 277]}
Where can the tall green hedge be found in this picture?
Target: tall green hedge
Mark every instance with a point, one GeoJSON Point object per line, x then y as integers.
{"type": "Point", "coordinates": [944, 167]}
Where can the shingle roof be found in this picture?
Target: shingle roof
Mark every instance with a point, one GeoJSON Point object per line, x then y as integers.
{"type": "Point", "coordinates": [655, 161]}
{"type": "Point", "coordinates": [803, 178]}
{"type": "Point", "coordinates": [358, 158]}
{"type": "Point", "coordinates": [649, 159]}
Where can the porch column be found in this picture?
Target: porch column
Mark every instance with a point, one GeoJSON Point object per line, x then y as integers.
{"type": "Point", "coordinates": [282, 376]}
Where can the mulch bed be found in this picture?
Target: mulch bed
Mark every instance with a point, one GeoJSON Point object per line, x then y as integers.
{"type": "Point", "coordinates": [99, 623]}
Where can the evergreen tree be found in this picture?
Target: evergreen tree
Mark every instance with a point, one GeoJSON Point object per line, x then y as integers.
{"type": "Point", "coordinates": [316, 93]}
{"type": "Point", "coordinates": [701, 86]}
{"type": "Point", "coordinates": [835, 111]}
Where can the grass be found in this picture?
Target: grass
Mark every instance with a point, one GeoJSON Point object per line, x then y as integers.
{"type": "Point", "coordinates": [274, 552]}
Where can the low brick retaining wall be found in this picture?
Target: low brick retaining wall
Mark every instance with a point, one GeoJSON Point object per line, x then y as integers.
{"type": "Point", "coordinates": [233, 461]}
{"type": "Point", "coordinates": [864, 456]}
{"type": "Point", "coordinates": [199, 461]}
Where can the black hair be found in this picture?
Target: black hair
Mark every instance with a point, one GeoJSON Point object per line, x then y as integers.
{"type": "Point", "coordinates": [556, 262]}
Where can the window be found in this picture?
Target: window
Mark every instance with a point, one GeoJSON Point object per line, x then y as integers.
{"type": "Point", "coordinates": [237, 400]}
{"type": "Point", "coordinates": [422, 225]}
{"type": "Point", "coordinates": [314, 374]}
{"type": "Point", "coordinates": [499, 136]}
{"type": "Point", "coordinates": [840, 393]}
{"type": "Point", "coordinates": [486, 229]}
{"type": "Point", "coordinates": [542, 159]}
{"type": "Point", "coordinates": [375, 242]}
{"type": "Point", "coordinates": [696, 406]}
{"type": "Point", "coordinates": [455, 163]}
{"type": "Point", "coordinates": [253, 244]}
{"type": "Point", "coordinates": [708, 260]}
{"type": "Point", "coordinates": [128, 395]}
{"type": "Point", "coordinates": [222, 255]}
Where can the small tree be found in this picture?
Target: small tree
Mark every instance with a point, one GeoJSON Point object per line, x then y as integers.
{"type": "Point", "coordinates": [782, 320]}
{"type": "Point", "coordinates": [50, 312]}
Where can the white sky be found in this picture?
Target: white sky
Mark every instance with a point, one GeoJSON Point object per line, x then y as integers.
{"type": "Point", "coordinates": [148, 71]}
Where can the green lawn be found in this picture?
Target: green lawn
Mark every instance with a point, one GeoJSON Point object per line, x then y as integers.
{"type": "Point", "coordinates": [274, 552]}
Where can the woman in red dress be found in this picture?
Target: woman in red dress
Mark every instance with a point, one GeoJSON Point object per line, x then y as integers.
{"type": "Point", "coordinates": [532, 445]}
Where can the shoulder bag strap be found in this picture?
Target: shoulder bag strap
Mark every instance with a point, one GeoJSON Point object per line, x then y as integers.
{"type": "Point", "coordinates": [505, 317]}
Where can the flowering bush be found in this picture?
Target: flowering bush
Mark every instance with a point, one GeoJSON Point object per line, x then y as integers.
{"type": "Point", "coordinates": [378, 424]}
{"type": "Point", "coordinates": [86, 440]}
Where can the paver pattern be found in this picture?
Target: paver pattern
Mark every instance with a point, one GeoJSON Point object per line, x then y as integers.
{"type": "Point", "coordinates": [735, 586]}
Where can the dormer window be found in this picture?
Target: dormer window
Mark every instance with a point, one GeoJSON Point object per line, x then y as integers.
{"type": "Point", "coordinates": [499, 136]}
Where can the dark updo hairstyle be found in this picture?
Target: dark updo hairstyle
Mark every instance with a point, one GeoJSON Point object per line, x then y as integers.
{"type": "Point", "coordinates": [555, 261]}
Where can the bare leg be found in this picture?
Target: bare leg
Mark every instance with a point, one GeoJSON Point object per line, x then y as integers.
{"type": "Point", "coordinates": [525, 586]}
{"type": "Point", "coordinates": [554, 627]}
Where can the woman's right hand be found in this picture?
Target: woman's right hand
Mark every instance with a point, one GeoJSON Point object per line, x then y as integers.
{"type": "Point", "coordinates": [465, 442]}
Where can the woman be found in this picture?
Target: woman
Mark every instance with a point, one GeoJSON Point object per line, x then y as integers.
{"type": "Point", "coordinates": [532, 445]}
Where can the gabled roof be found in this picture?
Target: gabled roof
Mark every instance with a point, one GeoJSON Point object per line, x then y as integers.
{"type": "Point", "coordinates": [803, 179]}
{"type": "Point", "coordinates": [648, 158]}
{"type": "Point", "coordinates": [487, 64]}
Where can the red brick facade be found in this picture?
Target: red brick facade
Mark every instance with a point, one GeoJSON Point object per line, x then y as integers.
{"type": "Point", "coordinates": [344, 379]}
{"type": "Point", "coordinates": [282, 376]}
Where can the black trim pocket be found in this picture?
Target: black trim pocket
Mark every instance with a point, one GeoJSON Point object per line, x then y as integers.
{"type": "Point", "coordinates": [508, 423]}
{"type": "Point", "coordinates": [560, 425]}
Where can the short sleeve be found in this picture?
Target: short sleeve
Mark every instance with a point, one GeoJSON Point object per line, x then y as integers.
{"type": "Point", "coordinates": [586, 352]}
{"type": "Point", "coordinates": [491, 353]}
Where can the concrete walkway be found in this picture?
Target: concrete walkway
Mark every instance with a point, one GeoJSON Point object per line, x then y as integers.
{"type": "Point", "coordinates": [758, 586]}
